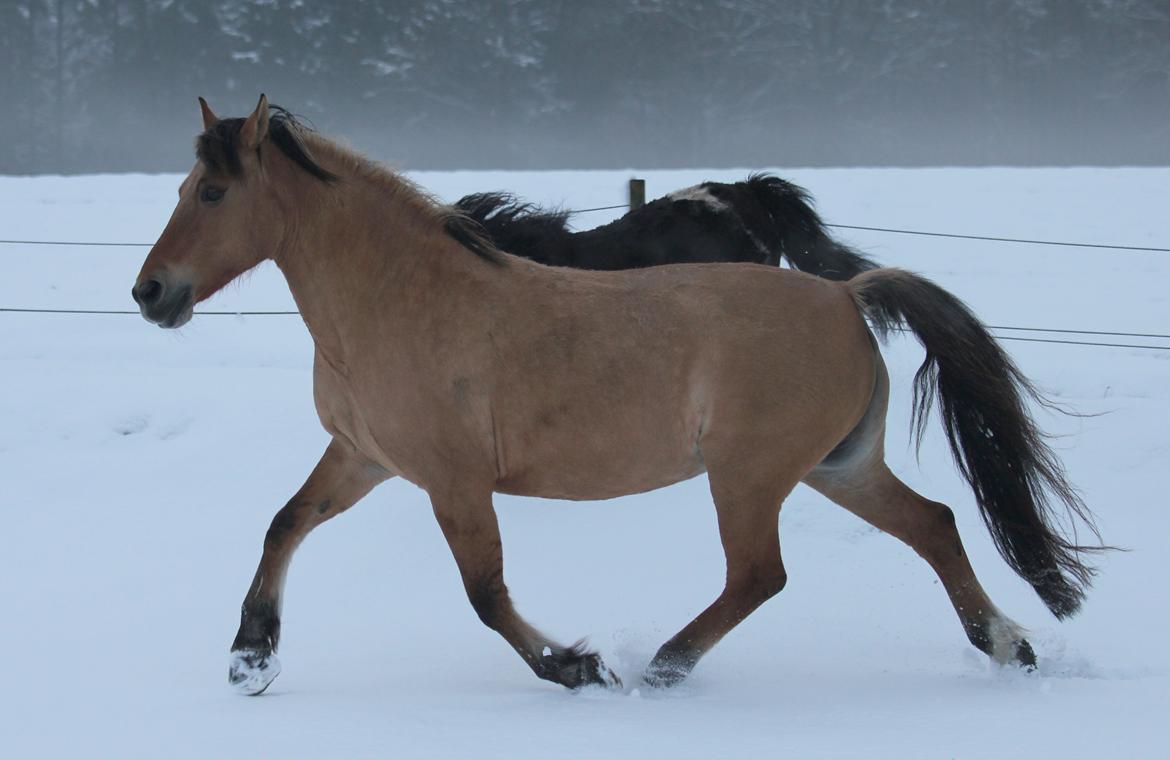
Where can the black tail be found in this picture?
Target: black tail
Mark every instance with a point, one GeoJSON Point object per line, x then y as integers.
{"type": "Point", "coordinates": [996, 444]}
{"type": "Point", "coordinates": [523, 229]}
{"type": "Point", "coordinates": [796, 231]}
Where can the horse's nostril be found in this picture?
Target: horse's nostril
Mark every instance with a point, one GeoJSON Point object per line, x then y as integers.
{"type": "Point", "coordinates": [148, 293]}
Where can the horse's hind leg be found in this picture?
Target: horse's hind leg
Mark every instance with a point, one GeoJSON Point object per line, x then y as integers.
{"type": "Point", "coordinates": [339, 480]}
{"type": "Point", "coordinates": [748, 516]}
{"type": "Point", "coordinates": [468, 522]}
{"type": "Point", "coordinates": [875, 495]}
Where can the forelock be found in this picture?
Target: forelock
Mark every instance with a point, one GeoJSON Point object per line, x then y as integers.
{"type": "Point", "coordinates": [218, 147]}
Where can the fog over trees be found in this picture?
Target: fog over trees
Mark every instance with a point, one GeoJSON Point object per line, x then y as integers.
{"type": "Point", "coordinates": [110, 85]}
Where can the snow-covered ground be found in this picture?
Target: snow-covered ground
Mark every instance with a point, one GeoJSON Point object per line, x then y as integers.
{"type": "Point", "coordinates": [139, 469]}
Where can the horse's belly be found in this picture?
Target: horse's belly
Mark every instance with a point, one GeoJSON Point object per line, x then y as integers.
{"type": "Point", "coordinates": [599, 461]}
{"type": "Point", "coordinates": [581, 480]}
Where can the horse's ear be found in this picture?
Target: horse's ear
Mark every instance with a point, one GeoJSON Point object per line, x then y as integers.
{"type": "Point", "coordinates": [255, 127]}
{"type": "Point", "coordinates": [209, 116]}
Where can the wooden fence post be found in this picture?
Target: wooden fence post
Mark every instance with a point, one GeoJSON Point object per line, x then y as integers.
{"type": "Point", "coordinates": [637, 193]}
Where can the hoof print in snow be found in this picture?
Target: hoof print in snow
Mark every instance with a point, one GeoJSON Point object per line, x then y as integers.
{"type": "Point", "coordinates": [251, 671]}
{"type": "Point", "coordinates": [132, 426]}
{"type": "Point", "coordinates": [575, 668]}
{"type": "Point", "coordinates": [174, 430]}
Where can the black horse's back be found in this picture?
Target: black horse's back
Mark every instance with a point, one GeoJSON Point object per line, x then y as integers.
{"type": "Point", "coordinates": [670, 230]}
{"type": "Point", "coordinates": [761, 220]}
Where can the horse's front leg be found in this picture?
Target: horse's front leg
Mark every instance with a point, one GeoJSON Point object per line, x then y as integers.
{"type": "Point", "coordinates": [340, 479]}
{"type": "Point", "coordinates": [470, 527]}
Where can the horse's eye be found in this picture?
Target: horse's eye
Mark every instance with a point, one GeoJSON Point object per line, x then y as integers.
{"type": "Point", "coordinates": [211, 194]}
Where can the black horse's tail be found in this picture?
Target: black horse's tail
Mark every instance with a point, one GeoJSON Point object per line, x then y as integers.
{"type": "Point", "coordinates": [997, 446]}
{"type": "Point", "coordinates": [791, 227]}
{"type": "Point", "coordinates": [523, 229]}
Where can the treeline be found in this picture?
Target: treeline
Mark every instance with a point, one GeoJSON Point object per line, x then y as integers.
{"type": "Point", "coordinates": [110, 85]}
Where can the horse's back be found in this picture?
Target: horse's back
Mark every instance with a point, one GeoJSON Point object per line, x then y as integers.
{"type": "Point", "coordinates": [670, 231]}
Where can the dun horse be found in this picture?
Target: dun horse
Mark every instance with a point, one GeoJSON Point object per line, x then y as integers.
{"type": "Point", "coordinates": [469, 371]}
{"type": "Point", "coordinates": [761, 220]}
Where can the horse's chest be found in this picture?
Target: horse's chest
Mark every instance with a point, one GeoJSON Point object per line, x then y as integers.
{"type": "Point", "coordinates": [410, 429]}
{"type": "Point", "coordinates": [345, 413]}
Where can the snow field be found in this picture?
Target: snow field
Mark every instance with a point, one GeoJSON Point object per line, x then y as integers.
{"type": "Point", "coordinates": [141, 467]}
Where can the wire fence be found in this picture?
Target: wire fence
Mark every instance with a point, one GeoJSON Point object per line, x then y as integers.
{"type": "Point", "coordinates": [993, 239]}
{"type": "Point", "coordinates": [1050, 331]}
{"type": "Point", "coordinates": [598, 208]}
{"type": "Point", "coordinates": [998, 328]}
{"type": "Point", "coordinates": [891, 230]}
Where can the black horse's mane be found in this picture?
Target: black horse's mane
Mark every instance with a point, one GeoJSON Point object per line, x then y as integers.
{"type": "Point", "coordinates": [524, 229]}
{"type": "Point", "coordinates": [504, 208]}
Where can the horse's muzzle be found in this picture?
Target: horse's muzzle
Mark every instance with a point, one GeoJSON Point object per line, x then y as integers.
{"type": "Point", "coordinates": [164, 304]}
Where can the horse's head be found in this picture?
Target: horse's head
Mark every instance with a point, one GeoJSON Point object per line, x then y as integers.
{"type": "Point", "coordinates": [227, 220]}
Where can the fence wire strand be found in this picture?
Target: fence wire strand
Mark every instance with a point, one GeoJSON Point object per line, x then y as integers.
{"type": "Point", "coordinates": [1059, 341]}
{"type": "Point", "coordinates": [993, 239]}
{"type": "Point", "coordinates": [892, 230]}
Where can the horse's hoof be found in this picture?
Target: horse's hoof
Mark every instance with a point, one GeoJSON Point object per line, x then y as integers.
{"type": "Point", "coordinates": [669, 667]}
{"type": "Point", "coordinates": [663, 675]}
{"type": "Point", "coordinates": [251, 671]}
{"type": "Point", "coordinates": [1025, 657]}
{"type": "Point", "coordinates": [601, 675]}
{"type": "Point", "coordinates": [576, 668]}
{"type": "Point", "coordinates": [1003, 641]}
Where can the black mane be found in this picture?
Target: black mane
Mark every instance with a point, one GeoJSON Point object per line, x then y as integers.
{"type": "Point", "coordinates": [218, 147]}
{"type": "Point", "coordinates": [522, 228]}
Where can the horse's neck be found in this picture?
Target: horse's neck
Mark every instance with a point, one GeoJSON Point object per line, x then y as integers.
{"type": "Point", "coordinates": [359, 256]}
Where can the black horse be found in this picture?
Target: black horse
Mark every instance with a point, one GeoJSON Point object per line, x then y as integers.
{"type": "Point", "coordinates": [761, 220]}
